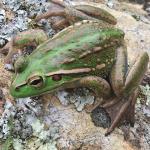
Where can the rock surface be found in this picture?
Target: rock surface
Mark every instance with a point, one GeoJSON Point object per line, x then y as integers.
{"type": "Point", "coordinates": [52, 124]}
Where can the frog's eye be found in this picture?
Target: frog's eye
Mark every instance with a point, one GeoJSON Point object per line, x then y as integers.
{"type": "Point", "coordinates": [56, 77]}
{"type": "Point", "coordinates": [36, 81]}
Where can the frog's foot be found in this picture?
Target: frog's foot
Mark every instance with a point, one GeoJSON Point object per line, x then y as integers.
{"type": "Point", "coordinates": [115, 112]}
{"type": "Point", "coordinates": [121, 110]}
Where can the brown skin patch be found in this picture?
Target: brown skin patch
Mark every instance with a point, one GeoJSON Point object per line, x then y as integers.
{"type": "Point", "coordinates": [72, 71]}
{"type": "Point", "coordinates": [96, 49]}
{"type": "Point", "coordinates": [100, 66]}
{"type": "Point", "coordinates": [67, 61]}
{"type": "Point", "coordinates": [85, 54]}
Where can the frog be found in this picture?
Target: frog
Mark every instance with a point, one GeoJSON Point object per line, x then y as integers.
{"type": "Point", "coordinates": [90, 53]}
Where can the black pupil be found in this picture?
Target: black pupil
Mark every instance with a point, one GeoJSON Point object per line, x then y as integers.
{"type": "Point", "coordinates": [56, 77]}
{"type": "Point", "coordinates": [36, 82]}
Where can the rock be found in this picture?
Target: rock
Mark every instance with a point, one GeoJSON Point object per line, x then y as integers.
{"type": "Point", "coordinates": [147, 6]}
{"type": "Point", "coordinates": [2, 102]}
{"type": "Point", "coordinates": [60, 125]}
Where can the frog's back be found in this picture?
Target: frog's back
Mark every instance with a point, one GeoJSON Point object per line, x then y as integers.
{"type": "Point", "coordinates": [85, 45]}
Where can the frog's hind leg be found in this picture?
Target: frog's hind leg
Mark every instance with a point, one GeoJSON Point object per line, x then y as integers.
{"type": "Point", "coordinates": [61, 24]}
{"type": "Point", "coordinates": [71, 14]}
{"type": "Point", "coordinates": [97, 13]}
{"type": "Point", "coordinates": [58, 2]}
{"type": "Point", "coordinates": [125, 89]}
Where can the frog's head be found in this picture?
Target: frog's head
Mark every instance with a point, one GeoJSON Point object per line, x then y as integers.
{"type": "Point", "coordinates": [31, 80]}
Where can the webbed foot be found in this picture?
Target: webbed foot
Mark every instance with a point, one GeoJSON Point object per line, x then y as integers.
{"type": "Point", "coordinates": [115, 112]}
{"type": "Point", "coordinates": [123, 110]}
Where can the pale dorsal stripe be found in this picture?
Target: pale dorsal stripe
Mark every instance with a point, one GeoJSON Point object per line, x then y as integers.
{"type": "Point", "coordinates": [72, 71]}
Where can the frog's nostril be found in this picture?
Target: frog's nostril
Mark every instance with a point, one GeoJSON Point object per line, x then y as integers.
{"type": "Point", "coordinates": [17, 88]}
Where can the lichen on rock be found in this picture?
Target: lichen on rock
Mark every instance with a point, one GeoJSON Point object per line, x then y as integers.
{"type": "Point", "coordinates": [67, 125]}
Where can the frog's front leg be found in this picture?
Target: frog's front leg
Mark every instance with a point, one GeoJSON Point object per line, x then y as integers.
{"type": "Point", "coordinates": [21, 40]}
{"type": "Point", "coordinates": [125, 86]}
{"type": "Point", "coordinates": [99, 86]}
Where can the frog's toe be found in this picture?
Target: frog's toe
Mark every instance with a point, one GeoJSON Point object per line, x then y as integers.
{"type": "Point", "coordinates": [117, 114]}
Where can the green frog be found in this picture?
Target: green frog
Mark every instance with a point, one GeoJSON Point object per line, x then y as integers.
{"type": "Point", "coordinates": [91, 54]}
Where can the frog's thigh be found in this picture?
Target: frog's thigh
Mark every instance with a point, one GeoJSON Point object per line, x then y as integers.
{"type": "Point", "coordinates": [97, 13]}
{"type": "Point", "coordinates": [119, 71]}
{"type": "Point", "coordinates": [73, 15]}
{"type": "Point", "coordinates": [136, 73]}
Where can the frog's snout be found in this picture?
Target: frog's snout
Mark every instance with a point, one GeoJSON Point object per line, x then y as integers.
{"type": "Point", "coordinates": [14, 90]}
